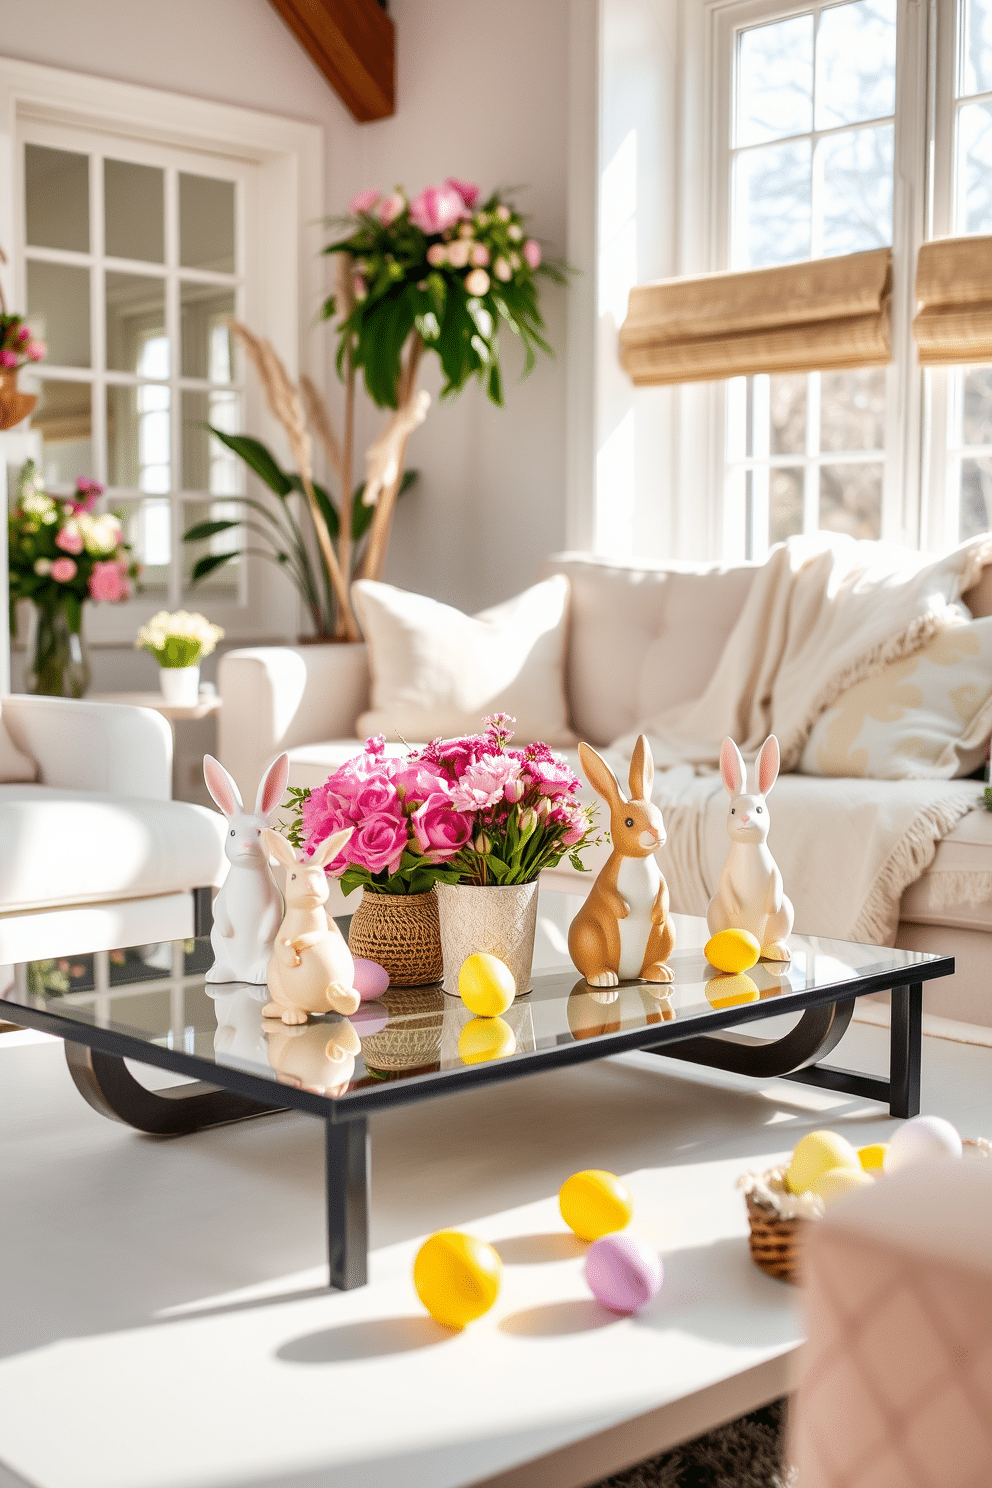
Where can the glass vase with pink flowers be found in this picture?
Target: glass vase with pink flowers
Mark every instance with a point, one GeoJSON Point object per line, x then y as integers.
{"type": "Point", "coordinates": [470, 813]}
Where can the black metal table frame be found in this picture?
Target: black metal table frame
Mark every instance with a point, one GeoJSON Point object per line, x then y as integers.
{"type": "Point", "coordinates": [96, 1058]}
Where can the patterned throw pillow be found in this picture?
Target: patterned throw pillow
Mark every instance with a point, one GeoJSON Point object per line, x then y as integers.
{"type": "Point", "coordinates": [927, 716]}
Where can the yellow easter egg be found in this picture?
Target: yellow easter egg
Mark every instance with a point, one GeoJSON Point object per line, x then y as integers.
{"type": "Point", "coordinates": [486, 985]}
{"type": "Point", "coordinates": [457, 1277]}
{"type": "Point", "coordinates": [872, 1157]}
{"type": "Point", "coordinates": [594, 1203]}
{"type": "Point", "coordinates": [486, 1038]}
{"type": "Point", "coordinates": [836, 1182]}
{"type": "Point", "coordinates": [733, 950]}
{"type": "Point", "coordinates": [817, 1153]}
{"type": "Point", "coordinates": [731, 991]}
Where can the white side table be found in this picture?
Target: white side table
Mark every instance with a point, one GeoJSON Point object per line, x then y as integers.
{"type": "Point", "coordinates": [204, 706]}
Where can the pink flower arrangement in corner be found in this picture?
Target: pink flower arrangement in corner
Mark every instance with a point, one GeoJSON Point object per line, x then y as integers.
{"type": "Point", "coordinates": [465, 810]}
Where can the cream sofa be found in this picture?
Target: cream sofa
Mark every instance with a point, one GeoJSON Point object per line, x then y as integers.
{"type": "Point", "coordinates": [94, 849]}
{"type": "Point", "coordinates": [639, 637]}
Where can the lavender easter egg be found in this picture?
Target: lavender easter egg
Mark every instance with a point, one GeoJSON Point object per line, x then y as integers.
{"type": "Point", "coordinates": [371, 980]}
{"type": "Point", "coordinates": [370, 1017]}
{"type": "Point", "coordinates": [623, 1272]}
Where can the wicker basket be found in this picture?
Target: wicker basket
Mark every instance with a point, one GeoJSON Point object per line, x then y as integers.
{"type": "Point", "coordinates": [411, 1039]}
{"type": "Point", "coordinates": [402, 933]}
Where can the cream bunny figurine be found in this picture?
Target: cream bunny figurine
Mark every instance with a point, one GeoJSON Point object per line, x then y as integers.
{"type": "Point", "coordinates": [248, 907]}
{"type": "Point", "coordinates": [749, 895]}
{"type": "Point", "coordinates": [311, 969]}
{"type": "Point", "coordinates": [623, 931]}
{"type": "Point", "coordinates": [320, 1058]}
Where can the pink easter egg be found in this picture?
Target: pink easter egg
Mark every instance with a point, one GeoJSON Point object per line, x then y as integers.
{"type": "Point", "coordinates": [623, 1272]}
{"type": "Point", "coordinates": [371, 980]}
{"type": "Point", "coordinates": [371, 1017]}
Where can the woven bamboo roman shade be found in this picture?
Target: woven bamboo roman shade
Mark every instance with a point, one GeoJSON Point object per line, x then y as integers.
{"type": "Point", "coordinates": [804, 317]}
{"type": "Point", "coordinates": [954, 290]}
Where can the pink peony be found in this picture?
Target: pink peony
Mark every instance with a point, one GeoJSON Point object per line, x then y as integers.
{"type": "Point", "coordinates": [466, 190]}
{"type": "Point", "coordinates": [8, 358]}
{"type": "Point", "coordinates": [106, 581]}
{"type": "Point", "coordinates": [87, 493]}
{"type": "Point", "coordinates": [36, 350]}
{"type": "Point", "coordinates": [69, 541]}
{"type": "Point", "coordinates": [24, 334]}
{"type": "Point", "coordinates": [484, 783]}
{"type": "Point", "coordinates": [532, 253]}
{"type": "Point", "coordinates": [379, 843]}
{"type": "Point", "coordinates": [439, 828]}
{"type": "Point", "coordinates": [63, 569]}
{"type": "Point", "coordinates": [365, 200]}
{"type": "Point", "coordinates": [436, 209]}
{"type": "Point", "coordinates": [391, 208]}
{"type": "Point", "coordinates": [415, 782]}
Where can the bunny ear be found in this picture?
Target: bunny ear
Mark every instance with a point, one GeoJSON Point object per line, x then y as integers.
{"type": "Point", "coordinates": [270, 792]}
{"type": "Point", "coordinates": [279, 848]}
{"type": "Point", "coordinates": [641, 770]}
{"type": "Point", "coordinates": [330, 847]}
{"type": "Point", "coordinates": [221, 786]}
{"type": "Point", "coordinates": [768, 763]}
{"type": "Point", "coordinates": [600, 776]}
{"type": "Point", "coordinates": [732, 768]}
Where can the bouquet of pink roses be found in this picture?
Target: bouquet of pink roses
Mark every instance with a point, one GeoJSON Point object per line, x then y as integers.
{"type": "Point", "coordinates": [468, 810]}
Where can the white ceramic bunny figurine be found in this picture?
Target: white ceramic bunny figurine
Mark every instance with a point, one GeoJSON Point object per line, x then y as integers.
{"type": "Point", "coordinates": [749, 895]}
{"type": "Point", "coordinates": [311, 969]}
{"type": "Point", "coordinates": [249, 906]}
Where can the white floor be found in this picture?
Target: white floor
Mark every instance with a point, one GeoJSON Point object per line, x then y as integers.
{"type": "Point", "coordinates": [164, 1322]}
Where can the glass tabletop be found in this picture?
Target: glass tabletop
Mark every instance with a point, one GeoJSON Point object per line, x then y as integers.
{"type": "Point", "coordinates": [157, 995]}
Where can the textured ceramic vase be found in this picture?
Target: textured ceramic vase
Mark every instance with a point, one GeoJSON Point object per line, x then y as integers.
{"type": "Point", "coordinates": [180, 686]}
{"type": "Point", "coordinates": [400, 932]}
{"type": "Point", "coordinates": [498, 919]}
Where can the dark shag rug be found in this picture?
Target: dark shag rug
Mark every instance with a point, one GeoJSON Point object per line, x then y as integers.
{"type": "Point", "coordinates": [747, 1453]}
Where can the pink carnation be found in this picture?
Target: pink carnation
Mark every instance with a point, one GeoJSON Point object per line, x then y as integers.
{"type": "Point", "coordinates": [532, 253]}
{"type": "Point", "coordinates": [365, 200]}
{"type": "Point", "coordinates": [484, 783]}
{"type": "Point", "coordinates": [36, 350]}
{"type": "Point", "coordinates": [63, 569]}
{"type": "Point", "coordinates": [24, 334]}
{"type": "Point", "coordinates": [391, 208]}
{"type": "Point", "coordinates": [468, 192]}
{"type": "Point", "coordinates": [8, 358]}
{"type": "Point", "coordinates": [439, 828]}
{"type": "Point", "coordinates": [436, 209]}
{"type": "Point", "coordinates": [87, 493]}
{"type": "Point", "coordinates": [69, 541]}
{"type": "Point", "coordinates": [107, 582]}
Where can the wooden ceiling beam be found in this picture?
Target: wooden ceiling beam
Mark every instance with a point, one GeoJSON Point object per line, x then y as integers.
{"type": "Point", "coordinates": [353, 42]}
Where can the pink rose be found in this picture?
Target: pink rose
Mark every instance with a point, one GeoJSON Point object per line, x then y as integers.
{"type": "Point", "coordinates": [477, 283]}
{"type": "Point", "coordinates": [106, 583]}
{"type": "Point", "coordinates": [36, 350]}
{"type": "Point", "coordinates": [436, 208]}
{"type": "Point", "coordinates": [439, 828]}
{"type": "Point", "coordinates": [365, 200]}
{"type": "Point", "coordinates": [378, 797]}
{"type": "Point", "coordinates": [379, 843]}
{"type": "Point", "coordinates": [391, 208]}
{"type": "Point", "coordinates": [437, 254]}
{"type": "Point", "coordinates": [415, 782]}
{"type": "Point", "coordinates": [458, 253]}
{"type": "Point", "coordinates": [502, 270]}
{"type": "Point", "coordinates": [87, 493]}
{"type": "Point", "coordinates": [63, 569]}
{"type": "Point", "coordinates": [468, 193]}
{"type": "Point", "coordinates": [480, 256]}
{"type": "Point", "coordinates": [452, 757]}
{"type": "Point", "coordinates": [8, 358]}
{"type": "Point", "coordinates": [532, 253]}
{"type": "Point", "coordinates": [69, 541]}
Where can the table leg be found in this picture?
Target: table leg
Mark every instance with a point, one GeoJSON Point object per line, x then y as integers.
{"type": "Point", "coordinates": [348, 1156]}
{"type": "Point", "coordinates": [905, 1049]}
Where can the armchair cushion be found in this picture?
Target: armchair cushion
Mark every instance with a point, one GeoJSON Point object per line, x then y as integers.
{"type": "Point", "coordinates": [14, 764]}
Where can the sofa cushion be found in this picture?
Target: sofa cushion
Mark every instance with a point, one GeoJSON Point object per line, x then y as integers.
{"type": "Point", "coordinates": [956, 889]}
{"type": "Point", "coordinates": [14, 763]}
{"type": "Point", "coordinates": [642, 637]}
{"type": "Point", "coordinates": [78, 847]}
{"type": "Point", "coordinates": [436, 671]}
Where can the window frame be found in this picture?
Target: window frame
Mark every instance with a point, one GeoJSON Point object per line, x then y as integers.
{"type": "Point", "coordinates": [282, 272]}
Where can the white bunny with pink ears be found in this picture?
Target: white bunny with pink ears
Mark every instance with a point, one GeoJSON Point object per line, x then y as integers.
{"type": "Point", "coordinates": [248, 908]}
{"type": "Point", "coordinates": [749, 895]}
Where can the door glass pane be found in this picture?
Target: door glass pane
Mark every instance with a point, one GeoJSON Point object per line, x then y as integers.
{"type": "Point", "coordinates": [206, 223]}
{"type": "Point", "coordinates": [856, 63]}
{"type": "Point", "coordinates": [57, 198]}
{"type": "Point", "coordinates": [148, 528]}
{"type": "Point", "coordinates": [136, 324]}
{"type": "Point", "coordinates": [978, 47]}
{"type": "Point", "coordinates": [852, 409]}
{"type": "Point", "coordinates": [856, 200]}
{"type": "Point", "coordinates": [224, 581]}
{"type": "Point", "coordinates": [772, 205]}
{"type": "Point", "coordinates": [208, 347]}
{"type": "Point", "coordinates": [138, 454]}
{"type": "Point", "coordinates": [209, 465]}
{"type": "Point", "coordinates": [787, 407]}
{"type": "Point", "coordinates": [775, 81]}
{"type": "Point", "coordinates": [975, 168]}
{"type": "Point", "coordinates": [976, 497]}
{"type": "Point", "coordinates": [785, 504]}
{"type": "Point", "coordinates": [64, 419]}
{"type": "Point", "coordinates": [59, 311]}
{"type": "Point", "coordinates": [134, 211]}
{"type": "Point", "coordinates": [851, 499]}
{"type": "Point", "coordinates": [976, 406]}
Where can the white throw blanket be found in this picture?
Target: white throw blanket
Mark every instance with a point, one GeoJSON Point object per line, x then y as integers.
{"type": "Point", "coordinates": [824, 612]}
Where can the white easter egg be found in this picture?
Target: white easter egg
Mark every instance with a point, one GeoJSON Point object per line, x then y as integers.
{"type": "Point", "coordinates": [919, 1140]}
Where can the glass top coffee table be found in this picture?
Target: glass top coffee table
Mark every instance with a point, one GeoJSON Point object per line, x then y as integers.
{"type": "Point", "coordinates": [151, 1004]}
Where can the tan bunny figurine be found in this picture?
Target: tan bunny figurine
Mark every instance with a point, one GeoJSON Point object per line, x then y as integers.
{"type": "Point", "coordinates": [749, 895]}
{"type": "Point", "coordinates": [623, 931]}
{"type": "Point", "coordinates": [311, 969]}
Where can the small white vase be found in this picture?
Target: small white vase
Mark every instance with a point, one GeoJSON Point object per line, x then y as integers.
{"type": "Point", "coordinates": [180, 686]}
{"type": "Point", "coordinates": [498, 919]}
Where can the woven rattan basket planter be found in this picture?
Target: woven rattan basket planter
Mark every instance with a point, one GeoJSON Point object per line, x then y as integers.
{"type": "Point", "coordinates": [402, 933]}
{"type": "Point", "coordinates": [412, 1037]}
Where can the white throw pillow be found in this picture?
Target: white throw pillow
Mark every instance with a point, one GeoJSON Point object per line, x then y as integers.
{"type": "Point", "coordinates": [927, 716]}
{"type": "Point", "coordinates": [437, 671]}
{"type": "Point", "coordinates": [13, 764]}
